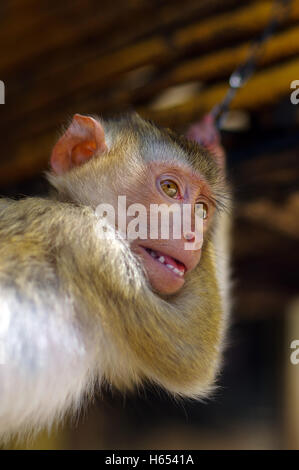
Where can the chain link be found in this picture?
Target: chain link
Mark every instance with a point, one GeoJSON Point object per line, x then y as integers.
{"type": "Point", "coordinates": [245, 70]}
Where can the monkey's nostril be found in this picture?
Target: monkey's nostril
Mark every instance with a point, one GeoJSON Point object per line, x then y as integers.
{"type": "Point", "coordinates": [189, 236]}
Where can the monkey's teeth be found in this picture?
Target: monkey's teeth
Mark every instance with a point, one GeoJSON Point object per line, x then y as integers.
{"type": "Point", "coordinates": [162, 260]}
{"type": "Point", "coordinates": [180, 273]}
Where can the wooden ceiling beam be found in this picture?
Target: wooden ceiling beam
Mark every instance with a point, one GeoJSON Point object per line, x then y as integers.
{"type": "Point", "coordinates": [262, 89]}
{"type": "Point", "coordinates": [246, 20]}
{"type": "Point", "coordinates": [99, 73]}
{"type": "Point", "coordinates": [220, 64]}
{"type": "Point", "coordinates": [60, 30]}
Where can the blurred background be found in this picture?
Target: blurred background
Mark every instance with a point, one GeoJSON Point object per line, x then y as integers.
{"type": "Point", "coordinates": [171, 61]}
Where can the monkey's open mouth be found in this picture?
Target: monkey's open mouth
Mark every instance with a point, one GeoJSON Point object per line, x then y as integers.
{"type": "Point", "coordinates": [169, 262]}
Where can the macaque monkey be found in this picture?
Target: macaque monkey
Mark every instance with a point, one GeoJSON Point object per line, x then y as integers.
{"type": "Point", "coordinates": [78, 309]}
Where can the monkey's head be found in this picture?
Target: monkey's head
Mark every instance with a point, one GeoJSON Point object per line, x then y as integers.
{"type": "Point", "coordinates": [141, 171]}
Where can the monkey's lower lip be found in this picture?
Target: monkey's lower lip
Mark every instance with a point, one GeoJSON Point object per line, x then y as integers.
{"type": "Point", "coordinates": [172, 264]}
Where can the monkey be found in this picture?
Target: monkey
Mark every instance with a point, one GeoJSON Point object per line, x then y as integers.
{"type": "Point", "coordinates": [79, 310]}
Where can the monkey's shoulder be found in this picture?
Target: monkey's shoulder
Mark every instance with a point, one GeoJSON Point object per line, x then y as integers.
{"type": "Point", "coordinates": [46, 230]}
{"type": "Point", "coordinates": [35, 227]}
{"type": "Point", "coordinates": [39, 214]}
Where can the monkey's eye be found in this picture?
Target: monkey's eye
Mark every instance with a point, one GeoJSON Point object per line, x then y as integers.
{"type": "Point", "coordinates": [203, 209]}
{"type": "Point", "coordinates": [170, 188]}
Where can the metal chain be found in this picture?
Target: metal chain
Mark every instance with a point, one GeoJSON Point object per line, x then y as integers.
{"type": "Point", "coordinates": [245, 70]}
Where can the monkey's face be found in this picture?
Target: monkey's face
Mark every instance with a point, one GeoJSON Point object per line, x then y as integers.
{"type": "Point", "coordinates": [152, 169]}
{"type": "Point", "coordinates": [168, 252]}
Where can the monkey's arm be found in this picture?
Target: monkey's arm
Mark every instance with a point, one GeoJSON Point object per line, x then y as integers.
{"type": "Point", "coordinates": [59, 284]}
{"type": "Point", "coordinates": [46, 363]}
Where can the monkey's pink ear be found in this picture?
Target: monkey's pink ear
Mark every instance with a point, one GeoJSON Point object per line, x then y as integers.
{"type": "Point", "coordinates": [83, 139]}
{"type": "Point", "coordinates": [206, 134]}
